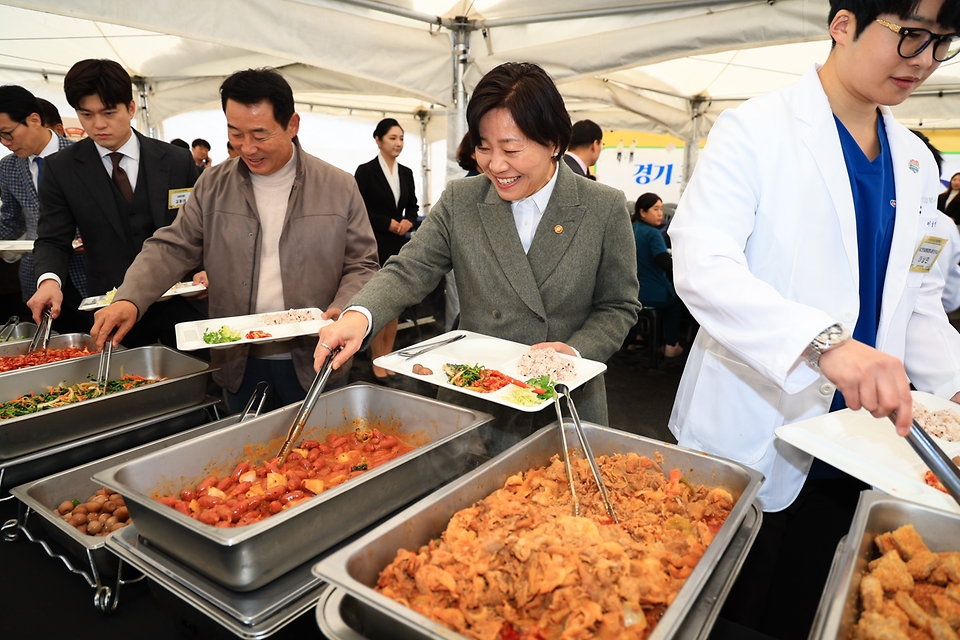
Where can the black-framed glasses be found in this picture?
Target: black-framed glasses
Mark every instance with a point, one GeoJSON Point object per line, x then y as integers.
{"type": "Point", "coordinates": [914, 41]}
{"type": "Point", "coordinates": [7, 136]}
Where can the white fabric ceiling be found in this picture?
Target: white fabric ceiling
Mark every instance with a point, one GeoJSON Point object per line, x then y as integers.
{"type": "Point", "coordinates": [633, 64]}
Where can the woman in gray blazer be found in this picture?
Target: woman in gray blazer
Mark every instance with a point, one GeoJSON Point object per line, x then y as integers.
{"type": "Point", "coordinates": [540, 256]}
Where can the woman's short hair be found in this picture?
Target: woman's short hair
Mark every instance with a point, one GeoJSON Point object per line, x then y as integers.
{"type": "Point", "coordinates": [465, 158]}
{"type": "Point", "coordinates": [384, 126]}
{"type": "Point", "coordinates": [530, 95]}
{"type": "Point", "coordinates": [644, 203]}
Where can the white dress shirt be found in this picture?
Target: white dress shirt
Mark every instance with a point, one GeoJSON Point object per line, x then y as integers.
{"type": "Point", "coordinates": [393, 177]}
{"type": "Point", "coordinates": [53, 145]}
{"type": "Point", "coordinates": [130, 162]}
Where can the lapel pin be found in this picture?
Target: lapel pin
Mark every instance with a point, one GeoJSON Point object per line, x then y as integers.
{"type": "Point", "coordinates": [558, 228]}
{"type": "Point", "coordinates": [914, 166]}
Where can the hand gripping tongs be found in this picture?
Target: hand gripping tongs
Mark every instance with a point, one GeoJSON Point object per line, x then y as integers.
{"type": "Point", "coordinates": [42, 337]}
{"type": "Point", "coordinates": [934, 457]}
{"type": "Point", "coordinates": [307, 407]}
{"type": "Point", "coordinates": [587, 452]}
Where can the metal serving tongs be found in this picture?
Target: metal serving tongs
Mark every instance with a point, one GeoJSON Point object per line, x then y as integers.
{"type": "Point", "coordinates": [103, 372]}
{"type": "Point", "coordinates": [588, 453]}
{"type": "Point", "coordinates": [934, 457]}
{"type": "Point", "coordinates": [308, 403]}
{"type": "Point", "coordinates": [7, 330]}
{"type": "Point", "coordinates": [42, 337]}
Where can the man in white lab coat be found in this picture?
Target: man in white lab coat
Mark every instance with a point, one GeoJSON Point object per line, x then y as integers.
{"type": "Point", "coordinates": [811, 216]}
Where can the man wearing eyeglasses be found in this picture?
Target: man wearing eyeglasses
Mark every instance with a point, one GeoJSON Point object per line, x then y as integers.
{"type": "Point", "coordinates": [31, 141]}
{"type": "Point", "coordinates": [805, 247]}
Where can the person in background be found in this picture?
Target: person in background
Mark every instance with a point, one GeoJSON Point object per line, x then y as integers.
{"type": "Point", "coordinates": [201, 153]}
{"type": "Point", "coordinates": [541, 257]}
{"type": "Point", "coordinates": [467, 157]}
{"type": "Point", "coordinates": [586, 143]}
{"type": "Point", "coordinates": [655, 271]}
{"type": "Point", "coordinates": [948, 201]}
{"type": "Point", "coordinates": [24, 132]}
{"type": "Point", "coordinates": [814, 294]}
{"type": "Point", "coordinates": [391, 199]}
{"type": "Point", "coordinates": [116, 187]}
{"type": "Point", "coordinates": [51, 117]}
{"type": "Point", "coordinates": [231, 152]}
{"type": "Point", "coordinates": [296, 236]}
{"type": "Point", "coordinates": [180, 142]}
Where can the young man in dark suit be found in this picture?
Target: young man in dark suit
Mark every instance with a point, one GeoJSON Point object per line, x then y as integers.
{"type": "Point", "coordinates": [586, 142]}
{"type": "Point", "coordinates": [117, 187]}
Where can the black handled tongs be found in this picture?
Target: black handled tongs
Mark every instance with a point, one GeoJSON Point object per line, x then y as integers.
{"type": "Point", "coordinates": [934, 457]}
{"type": "Point", "coordinates": [8, 328]}
{"type": "Point", "coordinates": [42, 337]}
{"type": "Point", "coordinates": [587, 452]}
{"type": "Point", "coordinates": [307, 407]}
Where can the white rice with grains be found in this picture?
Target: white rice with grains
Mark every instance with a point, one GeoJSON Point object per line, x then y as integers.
{"type": "Point", "coordinates": [546, 362]}
{"type": "Point", "coordinates": [944, 424]}
{"type": "Point", "coordinates": [285, 317]}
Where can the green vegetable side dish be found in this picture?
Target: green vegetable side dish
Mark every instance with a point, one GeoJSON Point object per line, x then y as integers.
{"type": "Point", "coordinates": [526, 397]}
{"type": "Point", "coordinates": [221, 335]}
{"type": "Point", "coordinates": [545, 383]}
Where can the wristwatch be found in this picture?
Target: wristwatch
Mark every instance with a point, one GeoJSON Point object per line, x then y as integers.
{"type": "Point", "coordinates": [832, 336]}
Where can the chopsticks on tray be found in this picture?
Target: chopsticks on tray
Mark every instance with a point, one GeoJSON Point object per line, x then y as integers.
{"type": "Point", "coordinates": [934, 457]}
{"type": "Point", "coordinates": [587, 452]}
{"type": "Point", "coordinates": [42, 337]}
{"type": "Point", "coordinates": [308, 403]}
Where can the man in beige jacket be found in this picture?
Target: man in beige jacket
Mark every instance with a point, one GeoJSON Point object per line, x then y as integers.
{"type": "Point", "coordinates": [275, 229]}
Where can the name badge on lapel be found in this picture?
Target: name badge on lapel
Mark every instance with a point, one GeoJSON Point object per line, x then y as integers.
{"type": "Point", "coordinates": [176, 198]}
{"type": "Point", "coordinates": [927, 253]}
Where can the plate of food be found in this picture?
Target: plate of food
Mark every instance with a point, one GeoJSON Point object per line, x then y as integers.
{"type": "Point", "coordinates": [185, 289]}
{"type": "Point", "coordinates": [501, 371]}
{"type": "Point", "coordinates": [217, 333]}
{"type": "Point", "coordinates": [869, 448]}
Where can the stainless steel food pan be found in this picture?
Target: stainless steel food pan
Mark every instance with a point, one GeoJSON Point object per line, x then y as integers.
{"type": "Point", "coordinates": [75, 340]}
{"type": "Point", "coordinates": [24, 331]}
{"type": "Point", "coordinates": [356, 567]}
{"type": "Point", "coordinates": [342, 617]}
{"type": "Point", "coordinates": [245, 558]}
{"type": "Point", "coordinates": [876, 513]}
{"type": "Point", "coordinates": [44, 495]}
{"type": "Point", "coordinates": [186, 385]}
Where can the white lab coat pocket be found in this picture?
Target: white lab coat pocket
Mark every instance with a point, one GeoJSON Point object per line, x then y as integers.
{"type": "Point", "coordinates": [734, 410]}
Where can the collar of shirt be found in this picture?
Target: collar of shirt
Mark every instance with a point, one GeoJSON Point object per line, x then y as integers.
{"type": "Point", "coordinates": [130, 162]}
{"type": "Point", "coordinates": [53, 145]}
{"type": "Point", "coordinates": [583, 165]}
{"type": "Point", "coordinates": [528, 212]}
{"type": "Point", "coordinates": [393, 177]}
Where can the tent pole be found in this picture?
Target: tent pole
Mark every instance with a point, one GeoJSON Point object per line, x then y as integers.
{"type": "Point", "coordinates": [423, 116]}
{"type": "Point", "coordinates": [456, 117]}
{"type": "Point", "coordinates": [691, 146]}
{"type": "Point", "coordinates": [143, 113]}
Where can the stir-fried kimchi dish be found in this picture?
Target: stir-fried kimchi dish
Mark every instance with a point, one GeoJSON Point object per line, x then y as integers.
{"type": "Point", "coordinates": [910, 591]}
{"type": "Point", "coordinates": [254, 492]}
{"type": "Point", "coordinates": [11, 363]}
{"type": "Point", "coordinates": [519, 564]}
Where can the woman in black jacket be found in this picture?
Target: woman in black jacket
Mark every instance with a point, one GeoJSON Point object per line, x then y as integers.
{"type": "Point", "coordinates": [390, 196]}
{"type": "Point", "coordinates": [948, 202]}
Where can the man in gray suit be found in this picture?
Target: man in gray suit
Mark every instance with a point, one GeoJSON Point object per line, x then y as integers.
{"type": "Point", "coordinates": [586, 142]}
{"type": "Point", "coordinates": [540, 256]}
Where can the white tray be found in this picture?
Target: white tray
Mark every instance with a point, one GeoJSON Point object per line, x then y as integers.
{"type": "Point", "coordinates": [190, 334]}
{"type": "Point", "coordinates": [17, 246]}
{"type": "Point", "coordinates": [186, 289]}
{"type": "Point", "coordinates": [492, 353]}
{"type": "Point", "coordinates": [869, 448]}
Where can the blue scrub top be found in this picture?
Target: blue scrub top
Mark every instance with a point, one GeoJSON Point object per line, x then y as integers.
{"type": "Point", "coordinates": [875, 202]}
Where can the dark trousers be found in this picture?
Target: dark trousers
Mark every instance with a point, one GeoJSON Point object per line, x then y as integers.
{"type": "Point", "coordinates": [158, 324]}
{"type": "Point", "coordinates": [283, 386]}
{"type": "Point", "coordinates": [71, 319]}
{"type": "Point", "coordinates": [779, 587]}
{"type": "Point", "coordinates": [670, 312]}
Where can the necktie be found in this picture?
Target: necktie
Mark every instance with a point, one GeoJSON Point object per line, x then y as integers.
{"type": "Point", "coordinates": [39, 162]}
{"type": "Point", "coordinates": [120, 178]}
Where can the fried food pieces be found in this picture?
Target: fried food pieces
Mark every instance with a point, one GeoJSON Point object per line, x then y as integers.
{"type": "Point", "coordinates": [518, 563]}
{"type": "Point", "coordinates": [910, 592]}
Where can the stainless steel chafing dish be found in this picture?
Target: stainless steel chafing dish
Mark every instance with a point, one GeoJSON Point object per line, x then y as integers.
{"type": "Point", "coordinates": [75, 340]}
{"type": "Point", "coordinates": [876, 513]}
{"type": "Point", "coordinates": [186, 385]}
{"type": "Point", "coordinates": [249, 557]}
{"type": "Point", "coordinates": [356, 567]}
{"type": "Point", "coordinates": [24, 331]}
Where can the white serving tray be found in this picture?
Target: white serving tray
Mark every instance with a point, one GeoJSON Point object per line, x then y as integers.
{"type": "Point", "coordinates": [17, 246]}
{"type": "Point", "coordinates": [190, 334]}
{"type": "Point", "coordinates": [869, 448]}
{"type": "Point", "coordinates": [492, 353]}
{"type": "Point", "coordinates": [187, 289]}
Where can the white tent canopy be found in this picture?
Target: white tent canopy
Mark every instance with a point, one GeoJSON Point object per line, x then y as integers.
{"type": "Point", "coordinates": [627, 64]}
